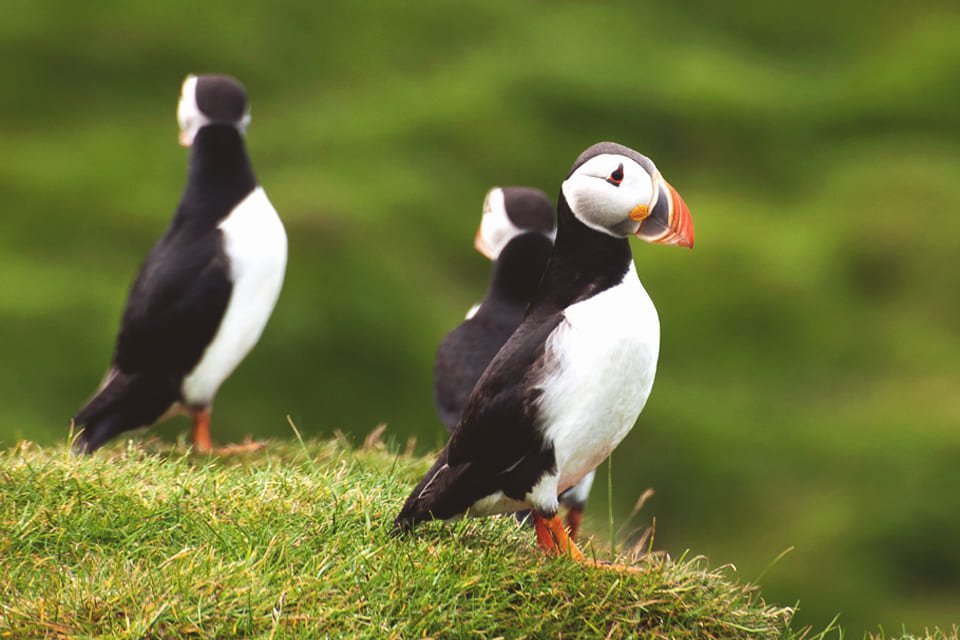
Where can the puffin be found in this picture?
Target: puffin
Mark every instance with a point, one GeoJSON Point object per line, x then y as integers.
{"type": "Point", "coordinates": [516, 232]}
{"type": "Point", "coordinates": [206, 289]}
{"type": "Point", "coordinates": [571, 381]}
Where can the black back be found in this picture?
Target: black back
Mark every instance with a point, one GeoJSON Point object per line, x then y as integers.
{"type": "Point", "coordinates": [467, 350]}
{"type": "Point", "coordinates": [179, 296]}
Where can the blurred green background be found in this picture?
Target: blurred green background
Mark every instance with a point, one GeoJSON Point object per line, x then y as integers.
{"type": "Point", "coordinates": [808, 389]}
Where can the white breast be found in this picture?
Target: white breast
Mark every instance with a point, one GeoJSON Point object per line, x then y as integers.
{"type": "Point", "coordinates": [601, 360]}
{"type": "Point", "coordinates": [256, 244]}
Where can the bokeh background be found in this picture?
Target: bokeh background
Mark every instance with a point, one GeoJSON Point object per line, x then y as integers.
{"type": "Point", "coordinates": [807, 396]}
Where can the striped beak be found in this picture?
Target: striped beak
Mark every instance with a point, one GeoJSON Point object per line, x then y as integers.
{"type": "Point", "coordinates": [668, 221]}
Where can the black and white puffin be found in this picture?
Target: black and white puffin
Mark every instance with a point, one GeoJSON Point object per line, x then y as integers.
{"type": "Point", "coordinates": [571, 381]}
{"type": "Point", "coordinates": [206, 289]}
{"type": "Point", "coordinates": [517, 230]}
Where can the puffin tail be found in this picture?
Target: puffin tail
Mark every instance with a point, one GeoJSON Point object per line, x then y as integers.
{"type": "Point", "coordinates": [417, 507]}
{"type": "Point", "coordinates": [445, 492]}
{"type": "Point", "coordinates": [124, 401]}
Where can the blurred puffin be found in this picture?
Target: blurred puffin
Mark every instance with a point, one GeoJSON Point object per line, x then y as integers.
{"type": "Point", "coordinates": [206, 289]}
{"type": "Point", "coordinates": [516, 232]}
{"type": "Point", "coordinates": [571, 381]}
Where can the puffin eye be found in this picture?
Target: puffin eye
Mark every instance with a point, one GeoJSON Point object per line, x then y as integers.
{"type": "Point", "coordinates": [617, 176]}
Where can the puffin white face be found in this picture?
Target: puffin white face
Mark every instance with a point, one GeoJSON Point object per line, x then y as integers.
{"type": "Point", "coordinates": [617, 195]}
{"type": "Point", "coordinates": [191, 117]}
{"type": "Point", "coordinates": [606, 189]}
{"type": "Point", "coordinates": [512, 211]}
{"type": "Point", "coordinates": [496, 229]}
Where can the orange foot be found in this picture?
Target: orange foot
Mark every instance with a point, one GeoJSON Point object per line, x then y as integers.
{"type": "Point", "coordinates": [554, 540]}
{"type": "Point", "coordinates": [203, 443]}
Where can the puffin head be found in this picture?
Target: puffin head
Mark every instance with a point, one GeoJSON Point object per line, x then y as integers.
{"type": "Point", "coordinates": [617, 191]}
{"type": "Point", "coordinates": [509, 212]}
{"type": "Point", "coordinates": [211, 99]}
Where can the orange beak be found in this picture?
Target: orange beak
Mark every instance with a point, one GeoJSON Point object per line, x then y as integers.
{"type": "Point", "coordinates": [669, 221]}
{"type": "Point", "coordinates": [184, 139]}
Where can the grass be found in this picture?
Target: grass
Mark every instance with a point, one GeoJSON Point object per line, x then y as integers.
{"type": "Point", "coordinates": [151, 541]}
{"type": "Point", "coordinates": [806, 392]}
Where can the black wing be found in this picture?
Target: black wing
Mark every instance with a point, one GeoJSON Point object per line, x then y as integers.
{"type": "Point", "coordinates": [499, 427]}
{"type": "Point", "coordinates": [453, 377]}
{"type": "Point", "coordinates": [497, 446]}
{"type": "Point", "coordinates": [463, 356]}
{"type": "Point", "coordinates": [173, 311]}
{"type": "Point", "coordinates": [175, 305]}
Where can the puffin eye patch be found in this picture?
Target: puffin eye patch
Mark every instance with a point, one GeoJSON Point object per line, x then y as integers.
{"type": "Point", "coordinates": [616, 177]}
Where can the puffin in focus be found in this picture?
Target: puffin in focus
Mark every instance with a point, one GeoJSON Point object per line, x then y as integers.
{"type": "Point", "coordinates": [516, 232]}
{"type": "Point", "coordinates": [569, 384]}
{"type": "Point", "coordinates": [206, 289]}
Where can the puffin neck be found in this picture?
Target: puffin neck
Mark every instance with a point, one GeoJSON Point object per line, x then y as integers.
{"type": "Point", "coordinates": [584, 262]}
{"type": "Point", "coordinates": [519, 268]}
{"type": "Point", "coordinates": [220, 174]}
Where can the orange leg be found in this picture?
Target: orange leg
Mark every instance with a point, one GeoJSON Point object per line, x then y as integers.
{"type": "Point", "coordinates": [544, 537]}
{"type": "Point", "coordinates": [574, 519]}
{"type": "Point", "coordinates": [553, 538]}
{"type": "Point", "coordinates": [202, 443]}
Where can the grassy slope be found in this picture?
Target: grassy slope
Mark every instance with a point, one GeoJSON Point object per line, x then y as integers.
{"type": "Point", "coordinates": [295, 541]}
{"type": "Point", "coordinates": [806, 395]}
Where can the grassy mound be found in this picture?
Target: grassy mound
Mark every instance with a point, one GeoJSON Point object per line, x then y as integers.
{"type": "Point", "coordinates": [294, 541]}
